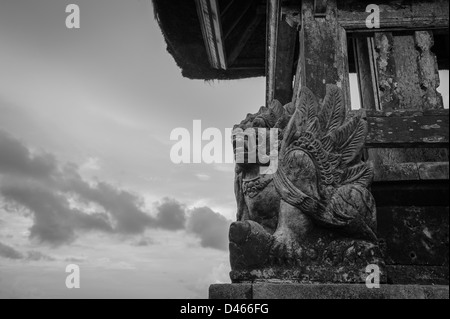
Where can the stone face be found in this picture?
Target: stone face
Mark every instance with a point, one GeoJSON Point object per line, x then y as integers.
{"type": "Point", "coordinates": [313, 219]}
{"type": "Point", "coordinates": [328, 291]}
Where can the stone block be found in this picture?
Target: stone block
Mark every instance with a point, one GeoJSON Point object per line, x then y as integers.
{"type": "Point", "coordinates": [230, 291]}
{"type": "Point", "coordinates": [325, 291]}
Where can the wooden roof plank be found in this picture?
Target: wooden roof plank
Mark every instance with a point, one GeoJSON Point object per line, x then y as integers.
{"type": "Point", "coordinates": [273, 19]}
{"type": "Point", "coordinates": [209, 15]}
{"type": "Point", "coordinates": [284, 64]}
{"type": "Point", "coordinates": [415, 16]}
{"type": "Point", "coordinates": [231, 18]}
{"type": "Point", "coordinates": [244, 36]}
{"type": "Point", "coordinates": [408, 15]}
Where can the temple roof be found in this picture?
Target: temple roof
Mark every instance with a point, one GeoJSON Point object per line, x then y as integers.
{"type": "Point", "coordinates": [243, 27]}
{"type": "Point", "coordinates": [226, 39]}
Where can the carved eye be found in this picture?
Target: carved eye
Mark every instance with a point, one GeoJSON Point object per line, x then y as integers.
{"type": "Point", "coordinates": [272, 118]}
{"type": "Point", "coordinates": [258, 122]}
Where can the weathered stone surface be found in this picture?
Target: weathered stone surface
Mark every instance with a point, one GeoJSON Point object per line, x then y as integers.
{"type": "Point", "coordinates": [433, 171]}
{"type": "Point", "coordinates": [414, 235]}
{"type": "Point", "coordinates": [420, 275]}
{"type": "Point", "coordinates": [397, 172]}
{"type": "Point", "coordinates": [292, 291]}
{"type": "Point", "coordinates": [407, 129]}
{"type": "Point", "coordinates": [425, 193]}
{"type": "Point", "coordinates": [408, 75]}
{"type": "Point", "coordinates": [433, 292]}
{"type": "Point", "coordinates": [407, 80]}
{"type": "Point", "coordinates": [428, 70]}
{"type": "Point", "coordinates": [226, 291]}
{"type": "Point", "coordinates": [323, 52]}
{"type": "Point", "coordinates": [313, 219]}
{"type": "Point", "coordinates": [412, 172]}
{"type": "Point", "coordinates": [342, 261]}
{"type": "Point", "coordinates": [331, 291]}
{"type": "Point", "coordinates": [400, 14]}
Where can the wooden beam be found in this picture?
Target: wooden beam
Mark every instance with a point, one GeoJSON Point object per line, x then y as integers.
{"type": "Point", "coordinates": [228, 6]}
{"type": "Point", "coordinates": [352, 16]}
{"type": "Point", "coordinates": [282, 40]}
{"type": "Point", "coordinates": [247, 68]}
{"type": "Point", "coordinates": [407, 71]}
{"type": "Point", "coordinates": [428, 70]}
{"type": "Point", "coordinates": [284, 64]}
{"type": "Point", "coordinates": [250, 61]}
{"type": "Point", "coordinates": [273, 19]}
{"type": "Point", "coordinates": [292, 16]}
{"type": "Point", "coordinates": [320, 8]}
{"type": "Point", "coordinates": [407, 83]}
{"type": "Point", "coordinates": [234, 14]}
{"type": "Point", "coordinates": [408, 129]}
{"type": "Point", "coordinates": [367, 72]}
{"type": "Point", "coordinates": [323, 53]}
{"type": "Point", "coordinates": [234, 48]}
{"type": "Point", "coordinates": [209, 15]}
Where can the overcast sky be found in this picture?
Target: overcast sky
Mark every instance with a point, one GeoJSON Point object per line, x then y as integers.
{"type": "Point", "coordinates": [85, 172]}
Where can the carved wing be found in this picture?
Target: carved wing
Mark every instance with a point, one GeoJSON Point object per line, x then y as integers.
{"type": "Point", "coordinates": [334, 143]}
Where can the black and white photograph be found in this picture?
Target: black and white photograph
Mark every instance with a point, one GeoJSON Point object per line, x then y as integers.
{"type": "Point", "coordinates": [224, 155]}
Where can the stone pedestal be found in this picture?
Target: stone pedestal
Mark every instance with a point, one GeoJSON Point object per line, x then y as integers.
{"type": "Point", "coordinates": [325, 291]}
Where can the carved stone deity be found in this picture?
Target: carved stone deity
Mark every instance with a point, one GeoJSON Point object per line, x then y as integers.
{"type": "Point", "coordinates": [314, 218]}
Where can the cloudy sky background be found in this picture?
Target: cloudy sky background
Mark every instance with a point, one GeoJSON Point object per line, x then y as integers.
{"type": "Point", "coordinates": [85, 171]}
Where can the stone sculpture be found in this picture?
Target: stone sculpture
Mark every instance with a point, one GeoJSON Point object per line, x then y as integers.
{"type": "Point", "coordinates": [314, 219]}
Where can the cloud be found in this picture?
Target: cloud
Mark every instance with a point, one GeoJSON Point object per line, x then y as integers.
{"type": "Point", "coordinates": [92, 164]}
{"type": "Point", "coordinates": [15, 158]}
{"type": "Point", "coordinates": [54, 221]}
{"type": "Point", "coordinates": [123, 206]}
{"type": "Point", "coordinates": [76, 260]}
{"type": "Point", "coordinates": [144, 242]}
{"type": "Point", "coordinates": [210, 227]}
{"type": "Point", "coordinates": [9, 252]}
{"type": "Point", "coordinates": [38, 256]}
{"type": "Point", "coordinates": [203, 177]}
{"type": "Point", "coordinates": [219, 274]}
{"type": "Point", "coordinates": [44, 187]}
{"type": "Point", "coordinates": [225, 168]}
{"type": "Point", "coordinates": [64, 205]}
